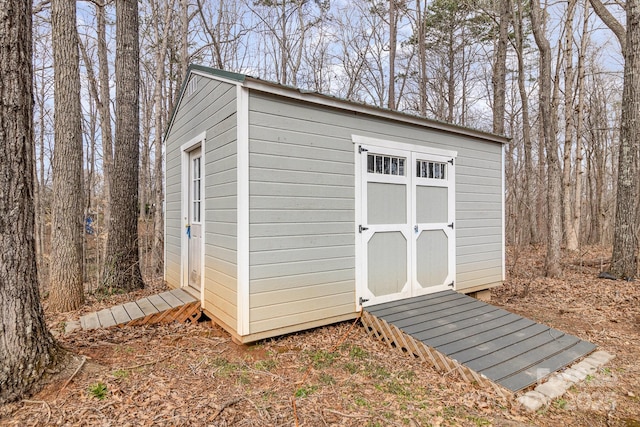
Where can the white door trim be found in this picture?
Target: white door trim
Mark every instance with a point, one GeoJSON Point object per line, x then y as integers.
{"type": "Point", "coordinates": [185, 149]}
{"type": "Point", "coordinates": [449, 231]}
{"type": "Point", "coordinates": [403, 146]}
{"type": "Point", "coordinates": [408, 151]}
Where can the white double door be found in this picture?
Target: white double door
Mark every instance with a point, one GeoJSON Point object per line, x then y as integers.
{"type": "Point", "coordinates": [407, 224]}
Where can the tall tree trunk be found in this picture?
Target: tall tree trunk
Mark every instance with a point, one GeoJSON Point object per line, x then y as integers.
{"type": "Point", "coordinates": [571, 235]}
{"type": "Point", "coordinates": [158, 214]}
{"type": "Point", "coordinates": [554, 218]}
{"type": "Point", "coordinates": [422, 58]}
{"type": "Point", "coordinates": [393, 32]}
{"type": "Point", "coordinates": [104, 107]}
{"type": "Point", "coordinates": [625, 237]}
{"type": "Point", "coordinates": [184, 40]}
{"type": "Point", "coordinates": [66, 274]}
{"type": "Point", "coordinates": [532, 235]}
{"type": "Point", "coordinates": [144, 183]}
{"type": "Point", "coordinates": [26, 346]}
{"type": "Point", "coordinates": [499, 71]}
{"type": "Point", "coordinates": [122, 266]}
{"type": "Point", "coordinates": [576, 219]}
{"type": "Point", "coordinates": [451, 76]}
{"type": "Point", "coordinates": [41, 222]}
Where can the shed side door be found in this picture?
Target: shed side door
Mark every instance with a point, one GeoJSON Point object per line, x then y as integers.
{"type": "Point", "coordinates": [195, 219]}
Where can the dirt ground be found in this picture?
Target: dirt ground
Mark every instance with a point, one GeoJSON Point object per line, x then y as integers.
{"type": "Point", "coordinates": [193, 375]}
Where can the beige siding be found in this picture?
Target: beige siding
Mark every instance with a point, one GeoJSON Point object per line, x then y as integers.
{"type": "Point", "coordinates": [302, 242]}
{"type": "Point", "coordinates": [211, 109]}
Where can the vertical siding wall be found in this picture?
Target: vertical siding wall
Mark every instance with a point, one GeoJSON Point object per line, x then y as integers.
{"type": "Point", "coordinates": [302, 208]}
{"type": "Point", "coordinates": [212, 108]}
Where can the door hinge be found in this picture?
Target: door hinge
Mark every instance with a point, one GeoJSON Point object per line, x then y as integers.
{"type": "Point", "coordinates": [361, 149]}
{"type": "Point", "coordinates": [361, 228]}
{"type": "Point", "coordinates": [362, 300]}
{"type": "Point", "coordinates": [450, 161]}
{"type": "Point", "coordinates": [451, 284]}
{"type": "Point", "coordinates": [450, 226]}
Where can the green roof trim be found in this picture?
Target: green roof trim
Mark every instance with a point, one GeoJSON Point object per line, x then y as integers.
{"type": "Point", "coordinates": [220, 73]}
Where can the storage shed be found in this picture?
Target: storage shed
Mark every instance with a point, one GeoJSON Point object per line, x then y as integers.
{"type": "Point", "coordinates": [288, 209]}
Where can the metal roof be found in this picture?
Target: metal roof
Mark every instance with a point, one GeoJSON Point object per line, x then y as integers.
{"type": "Point", "coordinates": [253, 83]}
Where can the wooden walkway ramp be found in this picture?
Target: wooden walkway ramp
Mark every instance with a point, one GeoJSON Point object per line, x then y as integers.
{"type": "Point", "coordinates": [483, 343]}
{"type": "Point", "coordinates": [174, 305]}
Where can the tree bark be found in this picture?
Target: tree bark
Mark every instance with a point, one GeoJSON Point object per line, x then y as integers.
{"type": "Point", "coordinates": [66, 272]}
{"type": "Point", "coordinates": [554, 219]}
{"type": "Point", "coordinates": [104, 107]}
{"type": "Point", "coordinates": [610, 21]}
{"type": "Point", "coordinates": [625, 238]}
{"type": "Point", "coordinates": [393, 32]}
{"type": "Point", "coordinates": [532, 234]}
{"type": "Point", "coordinates": [422, 58]}
{"type": "Point", "coordinates": [499, 71]}
{"type": "Point", "coordinates": [122, 266]}
{"type": "Point", "coordinates": [571, 234]}
{"type": "Point", "coordinates": [158, 214]}
{"type": "Point", "coordinates": [576, 219]}
{"type": "Point", "coordinates": [26, 346]}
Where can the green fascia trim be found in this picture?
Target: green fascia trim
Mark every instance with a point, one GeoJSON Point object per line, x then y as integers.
{"type": "Point", "coordinates": [220, 73]}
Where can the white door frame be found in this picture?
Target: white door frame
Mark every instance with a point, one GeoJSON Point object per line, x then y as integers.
{"type": "Point", "coordinates": [186, 149]}
{"type": "Point", "coordinates": [406, 150]}
{"type": "Point", "coordinates": [370, 229]}
{"type": "Point", "coordinates": [448, 227]}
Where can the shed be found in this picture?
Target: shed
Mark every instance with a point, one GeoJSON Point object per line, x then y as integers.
{"type": "Point", "coordinates": [287, 209]}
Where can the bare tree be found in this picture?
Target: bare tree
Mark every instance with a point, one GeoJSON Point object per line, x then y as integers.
{"type": "Point", "coordinates": [576, 220]}
{"type": "Point", "coordinates": [554, 219]}
{"type": "Point", "coordinates": [122, 268]}
{"type": "Point", "coordinates": [499, 72]}
{"type": "Point", "coordinates": [532, 234]}
{"type": "Point", "coordinates": [66, 271]}
{"type": "Point", "coordinates": [393, 35]}
{"type": "Point", "coordinates": [104, 108]}
{"type": "Point", "coordinates": [571, 234]}
{"type": "Point", "coordinates": [27, 348]}
{"type": "Point", "coordinates": [624, 261]}
{"type": "Point", "coordinates": [43, 124]}
{"type": "Point", "coordinates": [286, 26]}
{"type": "Point", "coordinates": [352, 52]}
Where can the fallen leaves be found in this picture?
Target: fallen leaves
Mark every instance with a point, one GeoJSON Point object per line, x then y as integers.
{"type": "Point", "coordinates": [170, 375]}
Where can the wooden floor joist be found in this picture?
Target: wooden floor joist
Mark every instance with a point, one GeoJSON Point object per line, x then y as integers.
{"type": "Point", "coordinates": [171, 306]}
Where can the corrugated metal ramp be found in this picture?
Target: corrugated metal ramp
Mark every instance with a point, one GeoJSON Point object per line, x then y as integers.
{"type": "Point", "coordinates": [511, 351]}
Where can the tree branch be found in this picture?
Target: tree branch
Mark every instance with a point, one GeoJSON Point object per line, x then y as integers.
{"type": "Point", "coordinates": [611, 22]}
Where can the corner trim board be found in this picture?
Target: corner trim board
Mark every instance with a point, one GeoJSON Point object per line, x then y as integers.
{"type": "Point", "coordinates": [242, 128]}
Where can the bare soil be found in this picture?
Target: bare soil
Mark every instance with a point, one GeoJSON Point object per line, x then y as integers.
{"type": "Point", "coordinates": [188, 375]}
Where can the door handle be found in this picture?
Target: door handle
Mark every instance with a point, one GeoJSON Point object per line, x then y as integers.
{"type": "Point", "coordinates": [415, 228]}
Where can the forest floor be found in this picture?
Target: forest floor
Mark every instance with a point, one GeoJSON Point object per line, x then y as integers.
{"type": "Point", "coordinates": [194, 375]}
